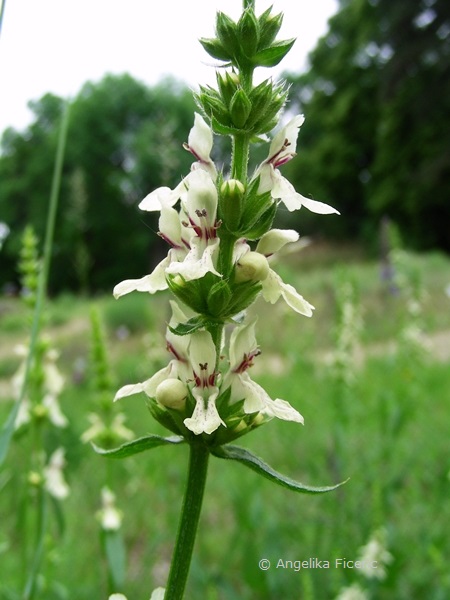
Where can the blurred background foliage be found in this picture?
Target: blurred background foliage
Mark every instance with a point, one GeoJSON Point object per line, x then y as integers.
{"type": "Point", "coordinates": [375, 142]}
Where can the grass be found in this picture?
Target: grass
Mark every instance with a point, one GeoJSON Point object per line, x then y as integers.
{"type": "Point", "coordinates": [388, 433]}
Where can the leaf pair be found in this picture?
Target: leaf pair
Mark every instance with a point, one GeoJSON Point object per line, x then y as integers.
{"type": "Point", "coordinates": [227, 452]}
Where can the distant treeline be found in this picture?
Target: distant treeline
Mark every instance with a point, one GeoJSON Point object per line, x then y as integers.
{"type": "Point", "coordinates": [375, 142]}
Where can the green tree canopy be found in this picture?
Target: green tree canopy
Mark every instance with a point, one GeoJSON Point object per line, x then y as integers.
{"type": "Point", "coordinates": [124, 140]}
{"type": "Point", "coordinates": [377, 102]}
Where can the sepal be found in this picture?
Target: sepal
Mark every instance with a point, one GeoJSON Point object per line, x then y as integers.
{"type": "Point", "coordinates": [215, 49]}
{"type": "Point", "coordinates": [189, 327]}
{"type": "Point", "coordinates": [226, 30]}
{"type": "Point", "coordinates": [269, 26]}
{"type": "Point", "coordinates": [231, 202]}
{"type": "Point", "coordinates": [270, 57]}
{"type": "Point", "coordinates": [248, 30]}
{"type": "Point", "coordinates": [227, 83]}
{"type": "Point", "coordinates": [218, 298]}
{"type": "Point", "coordinates": [189, 292]}
{"type": "Point", "coordinates": [243, 295]}
{"type": "Point", "coordinates": [262, 225]}
{"type": "Point", "coordinates": [253, 462]}
{"type": "Point", "coordinates": [240, 108]}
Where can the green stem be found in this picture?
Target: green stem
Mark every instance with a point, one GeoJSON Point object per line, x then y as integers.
{"type": "Point", "coordinates": [190, 514]}
{"type": "Point", "coordinates": [241, 146]}
{"type": "Point", "coordinates": [41, 526]}
{"type": "Point", "coordinates": [226, 248]}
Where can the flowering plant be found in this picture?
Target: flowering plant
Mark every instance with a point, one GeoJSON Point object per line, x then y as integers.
{"type": "Point", "coordinates": [219, 231]}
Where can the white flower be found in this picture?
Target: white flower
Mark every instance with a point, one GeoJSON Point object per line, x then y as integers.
{"type": "Point", "coordinates": [172, 230]}
{"type": "Point", "coordinates": [54, 381]}
{"type": "Point", "coordinates": [243, 349]}
{"type": "Point", "coordinates": [200, 142]}
{"type": "Point", "coordinates": [191, 234]}
{"type": "Point", "coordinates": [51, 404]}
{"type": "Point", "coordinates": [193, 364]}
{"type": "Point", "coordinates": [98, 428]}
{"type": "Point", "coordinates": [275, 239]}
{"type": "Point", "coordinates": [284, 142]}
{"type": "Point", "coordinates": [273, 287]}
{"type": "Point", "coordinates": [51, 386]}
{"type": "Point", "coordinates": [110, 517]}
{"type": "Point", "coordinates": [163, 196]}
{"type": "Point", "coordinates": [178, 367]}
{"type": "Point", "coordinates": [374, 556]}
{"type": "Point", "coordinates": [158, 594]}
{"type": "Point", "coordinates": [282, 149]}
{"type": "Point", "coordinates": [24, 414]}
{"type": "Point", "coordinates": [353, 592]}
{"type": "Point", "coordinates": [202, 356]}
{"type": "Point", "coordinates": [54, 478]}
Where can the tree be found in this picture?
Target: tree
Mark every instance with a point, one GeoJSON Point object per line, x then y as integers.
{"type": "Point", "coordinates": [123, 137]}
{"type": "Point", "coordinates": [377, 98]}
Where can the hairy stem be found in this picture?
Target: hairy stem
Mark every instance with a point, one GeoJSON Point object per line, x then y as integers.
{"type": "Point", "coordinates": [190, 514]}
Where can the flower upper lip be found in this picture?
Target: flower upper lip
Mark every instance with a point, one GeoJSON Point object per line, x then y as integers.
{"type": "Point", "coordinates": [282, 150]}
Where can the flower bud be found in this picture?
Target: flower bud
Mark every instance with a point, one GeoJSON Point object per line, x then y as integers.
{"type": "Point", "coordinates": [240, 108]}
{"type": "Point", "coordinates": [233, 189]}
{"type": "Point", "coordinates": [213, 105]}
{"type": "Point", "coordinates": [228, 83]}
{"type": "Point", "coordinates": [231, 198]}
{"type": "Point", "coordinates": [252, 267]}
{"type": "Point", "coordinates": [35, 479]}
{"type": "Point", "coordinates": [248, 29]}
{"type": "Point", "coordinates": [269, 26]}
{"type": "Point", "coordinates": [226, 30]}
{"type": "Point", "coordinates": [171, 393]}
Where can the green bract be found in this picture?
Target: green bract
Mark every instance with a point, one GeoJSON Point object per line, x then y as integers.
{"type": "Point", "coordinates": [250, 42]}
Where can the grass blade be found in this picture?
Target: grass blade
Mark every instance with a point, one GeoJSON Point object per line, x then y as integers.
{"type": "Point", "coordinates": [8, 428]}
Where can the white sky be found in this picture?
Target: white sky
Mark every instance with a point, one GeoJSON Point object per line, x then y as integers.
{"type": "Point", "coordinates": [57, 45]}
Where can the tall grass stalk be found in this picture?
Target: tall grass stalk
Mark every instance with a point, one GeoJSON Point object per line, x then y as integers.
{"type": "Point", "coordinates": [8, 428]}
{"type": "Point", "coordinates": [2, 13]}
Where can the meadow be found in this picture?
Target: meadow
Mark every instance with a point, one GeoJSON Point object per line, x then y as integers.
{"type": "Point", "coordinates": [376, 411]}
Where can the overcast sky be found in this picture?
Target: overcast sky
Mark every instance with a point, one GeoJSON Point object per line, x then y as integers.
{"type": "Point", "coordinates": [57, 45]}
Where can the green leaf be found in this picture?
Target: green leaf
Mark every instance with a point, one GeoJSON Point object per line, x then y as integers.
{"type": "Point", "coordinates": [8, 431]}
{"type": "Point", "coordinates": [189, 327]}
{"type": "Point", "coordinates": [256, 464]}
{"type": "Point", "coordinates": [115, 553]}
{"type": "Point", "coordinates": [142, 444]}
